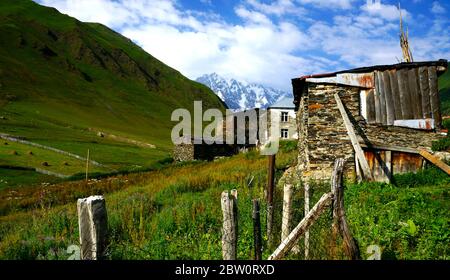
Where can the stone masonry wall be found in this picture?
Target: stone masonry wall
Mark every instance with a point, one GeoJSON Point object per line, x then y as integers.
{"type": "Point", "coordinates": [323, 137]}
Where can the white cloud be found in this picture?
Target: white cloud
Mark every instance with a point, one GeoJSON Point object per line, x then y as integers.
{"type": "Point", "coordinates": [437, 8]}
{"type": "Point", "coordinates": [278, 8]}
{"type": "Point", "coordinates": [267, 43]}
{"type": "Point", "coordinates": [384, 11]}
{"type": "Point", "coordinates": [330, 4]}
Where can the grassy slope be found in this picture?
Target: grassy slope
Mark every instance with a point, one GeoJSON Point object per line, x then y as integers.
{"type": "Point", "coordinates": [59, 77]}
{"type": "Point", "coordinates": [175, 213]}
{"type": "Point", "coordinates": [444, 89]}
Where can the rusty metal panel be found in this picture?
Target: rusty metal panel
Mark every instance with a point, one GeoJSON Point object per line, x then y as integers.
{"type": "Point", "coordinates": [378, 165]}
{"type": "Point", "coordinates": [384, 165]}
{"type": "Point", "coordinates": [365, 80]}
{"type": "Point", "coordinates": [404, 163]}
{"type": "Point", "coordinates": [423, 124]}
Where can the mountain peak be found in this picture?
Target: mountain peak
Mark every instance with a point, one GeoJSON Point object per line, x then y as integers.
{"type": "Point", "coordinates": [240, 94]}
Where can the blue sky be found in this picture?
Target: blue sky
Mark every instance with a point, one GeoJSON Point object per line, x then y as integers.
{"type": "Point", "coordinates": [271, 42]}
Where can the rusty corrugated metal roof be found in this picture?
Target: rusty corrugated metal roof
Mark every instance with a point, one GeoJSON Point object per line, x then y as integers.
{"type": "Point", "coordinates": [441, 62]}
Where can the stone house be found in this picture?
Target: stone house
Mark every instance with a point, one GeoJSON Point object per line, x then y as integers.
{"type": "Point", "coordinates": [284, 112]}
{"type": "Point", "coordinates": [189, 151]}
{"type": "Point", "coordinates": [394, 110]}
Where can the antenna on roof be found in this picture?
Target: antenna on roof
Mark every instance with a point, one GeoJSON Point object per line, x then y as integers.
{"type": "Point", "coordinates": [404, 40]}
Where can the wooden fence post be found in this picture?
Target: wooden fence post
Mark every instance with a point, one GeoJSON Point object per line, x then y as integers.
{"type": "Point", "coordinates": [257, 230]}
{"type": "Point", "coordinates": [229, 236]}
{"type": "Point", "coordinates": [287, 211]}
{"type": "Point", "coordinates": [287, 244]}
{"type": "Point", "coordinates": [339, 222]}
{"type": "Point", "coordinates": [270, 190]}
{"type": "Point", "coordinates": [92, 222]}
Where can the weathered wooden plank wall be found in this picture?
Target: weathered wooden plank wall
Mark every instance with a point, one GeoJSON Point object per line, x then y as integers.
{"type": "Point", "coordinates": [425, 92]}
{"type": "Point", "coordinates": [434, 95]}
{"type": "Point", "coordinates": [404, 94]}
{"type": "Point", "coordinates": [371, 113]}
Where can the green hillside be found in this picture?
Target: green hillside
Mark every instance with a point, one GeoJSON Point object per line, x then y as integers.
{"type": "Point", "coordinates": [62, 81]}
{"type": "Point", "coordinates": [444, 89]}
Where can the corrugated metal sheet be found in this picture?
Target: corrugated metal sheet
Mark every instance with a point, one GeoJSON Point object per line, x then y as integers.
{"type": "Point", "coordinates": [424, 124]}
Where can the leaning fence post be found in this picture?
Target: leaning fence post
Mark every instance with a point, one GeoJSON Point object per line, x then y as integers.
{"type": "Point", "coordinates": [339, 221]}
{"type": "Point", "coordinates": [257, 240]}
{"type": "Point", "coordinates": [229, 235]}
{"type": "Point", "coordinates": [92, 222]}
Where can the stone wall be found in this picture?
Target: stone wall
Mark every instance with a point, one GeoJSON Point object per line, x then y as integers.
{"type": "Point", "coordinates": [189, 152]}
{"type": "Point", "coordinates": [183, 152]}
{"type": "Point", "coordinates": [323, 137]}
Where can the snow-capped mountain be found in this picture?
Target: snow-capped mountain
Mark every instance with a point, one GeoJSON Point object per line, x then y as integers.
{"type": "Point", "coordinates": [241, 95]}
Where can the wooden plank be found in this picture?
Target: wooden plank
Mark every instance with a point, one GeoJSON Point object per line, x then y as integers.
{"type": "Point", "coordinates": [405, 100]}
{"type": "Point", "coordinates": [416, 101]}
{"type": "Point", "coordinates": [390, 114]}
{"type": "Point", "coordinates": [425, 92]}
{"type": "Point", "coordinates": [389, 148]}
{"type": "Point", "coordinates": [395, 94]}
{"type": "Point", "coordinates": [287, 244]}
{"type": "Point", "coordinates": [382, 97]}
{"type": "Point", "coordinates": [434, 96]}
{"type": "Point", "coordinates": [377, 101]}
{"type": "Point", "coordinates": [351, 133]}
{"type": "Point", "coordinates": [370, 106]}
{"type": "Point", "coordinates": [436, 161]}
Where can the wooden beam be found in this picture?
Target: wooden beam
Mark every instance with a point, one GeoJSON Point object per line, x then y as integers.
{"type": "Point", "coordinates": [351, 133]}
{"type": "Point", "coordinates": [287, 244]}
{"type": "Point", "coordinates": [389, 148]}
{"type": "Point", "coordinates": [436, 161]}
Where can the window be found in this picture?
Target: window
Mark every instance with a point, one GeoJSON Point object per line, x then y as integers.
{"type": "Point", "coordinates": [284, 116]}
{"type": "Point", "coordinates": [285, 133]}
